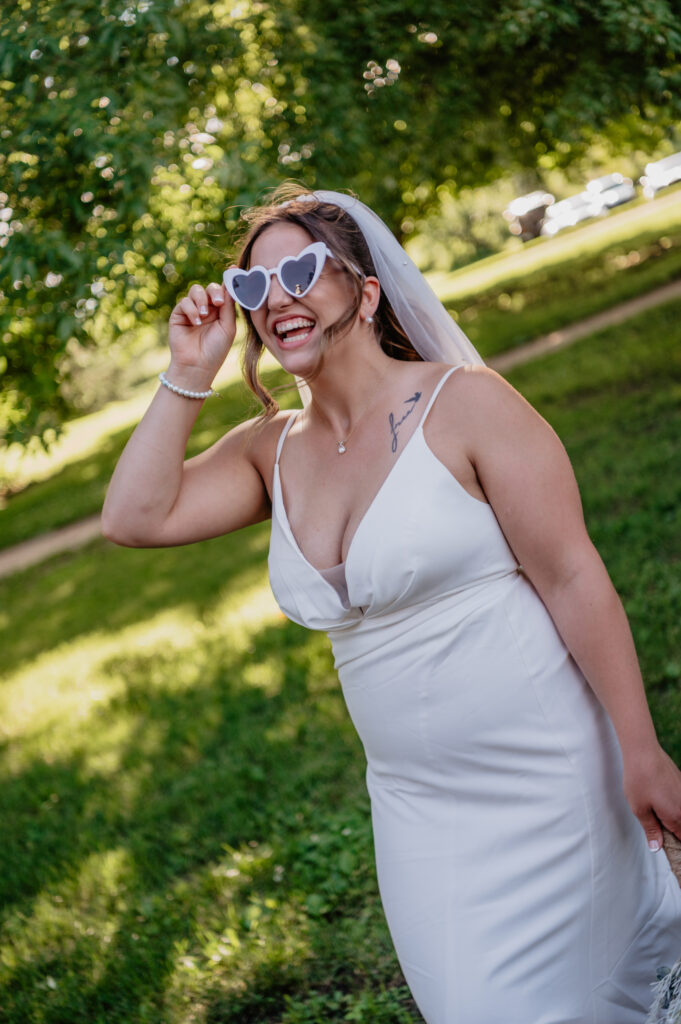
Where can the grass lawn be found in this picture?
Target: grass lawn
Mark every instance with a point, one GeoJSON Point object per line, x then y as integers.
{"type": "Point", "coordinates": [185, 825]}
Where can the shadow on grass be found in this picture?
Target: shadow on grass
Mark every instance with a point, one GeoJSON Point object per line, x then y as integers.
{"type": "Point", "coordinates": [148, 844]}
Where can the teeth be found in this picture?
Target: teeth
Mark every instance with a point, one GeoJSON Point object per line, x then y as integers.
{"type": "Point", "coordinates": [292, 325]}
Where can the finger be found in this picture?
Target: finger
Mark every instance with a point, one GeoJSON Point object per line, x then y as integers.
{"type": "Point", "coordinates": [672, 823]}
{"type": "Point", "coordinates": [227, 307]}
{"type": "Point", "coordinates": [216, 293]}
{"type": "Point", "coordinates": [227, 316]}
{"type": "Point", "coordinates": [652, 829]}
{"type": "Point", "coordinates": [189, 309]}
{"type": "Point", "coordinates": [197, 293]}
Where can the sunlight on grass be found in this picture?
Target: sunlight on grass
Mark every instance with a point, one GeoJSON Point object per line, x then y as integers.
{"type": "Point", "coordinates": [63, 687]}
{"type": "Point", "coordinates": [136, 753]}
{"type": "Point", "coordinates": [64, 914]}
{"type": "Point", "coordinates": [96, 914]}
{"type": "Point", "coordinates": [224, 905]}
{"type": "Point", "coordinates": [246, 611]}
{"type": "Point", "coordinates": [60, 690]}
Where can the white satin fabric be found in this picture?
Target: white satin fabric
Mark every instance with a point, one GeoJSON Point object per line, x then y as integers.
{"type": "Point", "coordinates": [517, 884]}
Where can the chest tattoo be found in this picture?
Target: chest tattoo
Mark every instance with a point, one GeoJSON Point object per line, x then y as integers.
{"type": "Point", "coordinates": [395, 426]}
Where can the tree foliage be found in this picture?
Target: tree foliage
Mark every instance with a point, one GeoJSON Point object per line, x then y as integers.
{"type": "Point", "coordinates": [133, 133]}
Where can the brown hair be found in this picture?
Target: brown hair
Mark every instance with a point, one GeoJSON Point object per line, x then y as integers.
{"type": "Point", "coordinates": [324, 222]}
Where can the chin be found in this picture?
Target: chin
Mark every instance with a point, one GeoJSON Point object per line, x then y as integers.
{"type": "Point", "coordinates": [303, 362]}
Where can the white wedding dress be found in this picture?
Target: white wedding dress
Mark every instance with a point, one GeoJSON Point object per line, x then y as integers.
{"type": "Point", "coordinates": [517, 884]}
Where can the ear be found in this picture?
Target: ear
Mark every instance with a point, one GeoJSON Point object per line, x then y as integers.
{"type": "Point", "coordinates": [371, 295]}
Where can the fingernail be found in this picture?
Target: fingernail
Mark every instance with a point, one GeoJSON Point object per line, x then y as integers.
{"type": "Point", "coordinates": [654, 845]}
{"type": "Point", "coordinates": [198, 321]}
{"type": "Point", "coordinates": [204, 311]}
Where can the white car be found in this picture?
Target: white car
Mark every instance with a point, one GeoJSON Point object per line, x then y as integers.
{"type": "Point", "coordinates": [661, 173]}
{"type": "Point", "coordinates": [614, 189]}
{"type": "Point", "coordinates": [571, 211]}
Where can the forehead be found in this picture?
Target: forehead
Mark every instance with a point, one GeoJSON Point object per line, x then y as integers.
{"type": "Point", "coordinates": [277, 241]}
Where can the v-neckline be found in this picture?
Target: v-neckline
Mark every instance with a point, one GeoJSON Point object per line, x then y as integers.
{"type": "Point", "coordinates": [282, 505]}
{"type": "Point", "coordinates": [277, 482]}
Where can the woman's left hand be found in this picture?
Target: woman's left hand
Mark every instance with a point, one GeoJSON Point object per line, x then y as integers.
{"type": "Point", "coordinates": [652, 785]}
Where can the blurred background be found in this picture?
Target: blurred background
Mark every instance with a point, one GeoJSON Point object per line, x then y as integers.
{"type": "Point", "coordinates": [184, 820]}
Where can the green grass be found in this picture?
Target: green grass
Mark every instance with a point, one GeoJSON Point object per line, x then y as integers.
{"type": "Point", "coordinates": [589, 238]}
{"type": "Point", "coordinates": [185, 825]}
{"type": "Point", "coordinates": [548, 301]}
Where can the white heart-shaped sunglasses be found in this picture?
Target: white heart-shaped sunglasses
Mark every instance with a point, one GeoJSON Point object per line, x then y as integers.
{"type": "Point", "coordinates": [296, 275]}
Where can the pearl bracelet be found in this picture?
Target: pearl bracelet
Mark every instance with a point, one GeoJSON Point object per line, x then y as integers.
{"type": "Point", "coordinates": [183, 391]}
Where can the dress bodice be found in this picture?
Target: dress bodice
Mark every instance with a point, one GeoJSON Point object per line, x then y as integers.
{"type": "Point", "coordinates": [422, 538]}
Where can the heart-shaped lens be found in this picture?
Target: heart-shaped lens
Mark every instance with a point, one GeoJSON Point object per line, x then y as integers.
{"type": "Point", "coordinates": [298, 275]}
{"type": "Point", "coordinates": [248, 287]}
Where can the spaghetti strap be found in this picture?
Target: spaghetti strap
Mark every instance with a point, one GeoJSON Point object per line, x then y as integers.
{"type": "Point", "coordinates": [436, 390]}
{"type": "Point", "coordinates": [282, 437]}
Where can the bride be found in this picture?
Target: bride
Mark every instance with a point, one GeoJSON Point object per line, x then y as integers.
{"type": "Point", "coordinates": [427, 518]}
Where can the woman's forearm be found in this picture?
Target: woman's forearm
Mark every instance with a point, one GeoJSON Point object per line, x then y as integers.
{"type": "Point", "coordinates": [591, 619]}
{"type": "Point", "coordinates": [147, 482]}
{"type": "Point", "coordinates": [148, 477]}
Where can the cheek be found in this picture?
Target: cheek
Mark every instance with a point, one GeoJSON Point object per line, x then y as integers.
{"type": "Point", "coordinates": [258, 322]}
{"type": "Point", "coordinates": [342, 298]}
{"type": "Point", "coordinates": [259, 325]}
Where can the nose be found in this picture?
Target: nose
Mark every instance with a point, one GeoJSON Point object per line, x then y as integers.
{"type": "Point", "coordinates": [277, 296]}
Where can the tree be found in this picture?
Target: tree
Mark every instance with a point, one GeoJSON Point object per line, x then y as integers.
{"type": "Point", "coordinates": [133, 134]}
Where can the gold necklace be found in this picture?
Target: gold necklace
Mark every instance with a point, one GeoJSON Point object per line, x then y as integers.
{"type": "Point", "coordinates": [342, 444]}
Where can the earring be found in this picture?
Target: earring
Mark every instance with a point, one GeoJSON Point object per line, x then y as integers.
{"type": "Point", "coordinates": [369, 319]}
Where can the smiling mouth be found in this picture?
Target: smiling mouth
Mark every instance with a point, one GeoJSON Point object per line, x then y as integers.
{"type": "Point", "coordinates": [291, 331]}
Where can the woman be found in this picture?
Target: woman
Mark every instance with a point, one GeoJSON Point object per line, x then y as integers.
{"type": "Point", "coordinates": [405, 498]}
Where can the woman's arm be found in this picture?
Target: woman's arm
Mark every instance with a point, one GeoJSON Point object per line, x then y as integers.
{"type": "Point", "coordinates": [527, 478]}
{"type": "Point", "coordinates": [155, 498]}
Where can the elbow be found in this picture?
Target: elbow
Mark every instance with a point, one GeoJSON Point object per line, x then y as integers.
{"type": "Point", "coordinates": [577, 585]}
{"type": "Point", "coordinates": [117, 530]}
{"type": "Point", "coordinates": [113, 533]}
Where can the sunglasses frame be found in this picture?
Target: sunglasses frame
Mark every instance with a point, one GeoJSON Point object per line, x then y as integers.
{"type": "Point", "coordinates": [321, 252]}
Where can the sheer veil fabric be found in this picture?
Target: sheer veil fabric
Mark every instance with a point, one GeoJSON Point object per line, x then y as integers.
{"type": "Point", "coordinates": [434, 334]}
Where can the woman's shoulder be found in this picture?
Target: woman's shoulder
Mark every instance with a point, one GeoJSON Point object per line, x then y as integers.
{"type": "Point", "coordinates": [476, 382]}
{"type": "Point", "coordinates": [474, 397]}
{"type": "Point", "coordinates": [260, 437]}
{"type": "Point", "coordinates": [443, 375]}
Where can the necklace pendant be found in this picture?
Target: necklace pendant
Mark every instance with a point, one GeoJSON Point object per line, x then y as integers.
{"type": "Point", "coordinates": [341, 447]}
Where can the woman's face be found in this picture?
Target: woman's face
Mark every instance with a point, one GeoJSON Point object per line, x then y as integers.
{"type": "Point", "coordinates": [291, 328]}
